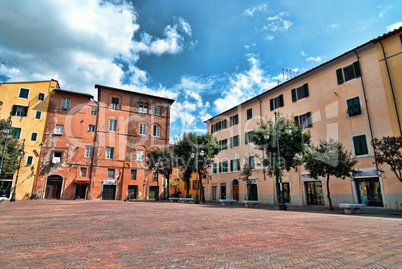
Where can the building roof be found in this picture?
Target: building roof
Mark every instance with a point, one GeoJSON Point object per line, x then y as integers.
{"type": "Point", "coordinates": [78, 93]}
{"type": "Point", "coordinates": [22, 82]}
{"type": "Point", "coordinates": [97, 86]}
{"type": "Point", "coordinates": [291, 81]}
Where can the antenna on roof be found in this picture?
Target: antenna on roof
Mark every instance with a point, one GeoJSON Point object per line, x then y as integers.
{"type": "Point", "coordinates": [7, 64]}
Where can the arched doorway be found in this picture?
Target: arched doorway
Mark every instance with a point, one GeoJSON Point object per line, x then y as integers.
{"type": "Point", "coordinates": [236, 190]}
{"type": "Point", "coordinates": [53, 187]}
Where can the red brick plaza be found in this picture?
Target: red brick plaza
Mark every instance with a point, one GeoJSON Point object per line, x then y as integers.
{"type": "Point", "coordinates": [117, 234]}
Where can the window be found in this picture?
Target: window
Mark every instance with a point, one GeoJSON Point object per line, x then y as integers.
{"type": "Point", "coordinates": [249, 137]}
{"type": "Point", "coordinates": [34, 137]}
{"type": "Point", "coordinates": [224, 167]}
{"type": "Point", "coordinates": [304, 121]}
{"type": "Point", "coordinates": [110, 173]}
{"type": "Point", "coordinates": [57, 157]}
{"type": "Point", "coordinates": [133, 175]}
{"type": "Point", "coordinates": [59, 129]}
{"type": "Point", "coordinates": [223, 144]}
{"type": "Point", "coordinates": [234, 141]}
{"type": "Point", "coordinates": [83, 172]}
{"type": "Point", "coordinates": [88, 151]}
{"type": "Point", "coordinates": [156, 130]}
{"type": "Point", "coordinates": [251, 162]}
{"type": "Point", "coordinates": [115, 103]}
{"type": "Point", "coordinates": [38, 115]}
{"type": "Point", "coordinates": [234, 120]}
{"type": "Point", "coordinates": [277, 102]}
{"type": "Point", "coordinates": [215, 168]}
{"type": "Point", "coordinates": [221, 125]}
{"type": "Point", "coordinates": [235, 165]}
{"type": "Point", "coordinates": [109, 153]}
{"type": "Point", "coordinates": [140, 155]}
{"type": "Point", "coordinates": [300, 93]}
{"type": "Point", "coordinates": [41, 97]}
{"type": "Point", "coordinates": [360, 145]}
{"type": "Point", "coordinates": [143, 108]}
{"type": "Point", "coordinates": [65, 104]}
{"type": "Point", "coordinates": [143, 129]}
{"type": "Point", "coordinates": [91, 128]}
{"type": "Point", "coordinates": [93, 110]}
{"type": "Point", "coordinates": [157, 110]}
{"type": "Point", "coordinates": [154, 176]}
{"type": "Point", "coordinates": [29, 160]}
{"type": "Point", "coordinates": [348, 73]}
{"type": "Point", "coordinates": [112, 125]}
{"type": "Point", "coordinates": [19, 111]}
{"type": "Point", "coordinates": [354, 107]}
{"type": "Point", "coordinates": [16, 131]}
{"type": "Point", "coordinates": [249, 114]}
{"type": "Point", "coordinates": [24, 93]}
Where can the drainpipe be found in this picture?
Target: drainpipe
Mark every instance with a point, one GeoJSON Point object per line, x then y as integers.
{"type": "Point", "coordinates": [94, 146]}
{"type": "Point", "coordinates": [392, 88]}
{"type": "Point", "coordinates": [368, 113]}
{"type": "Point", "coordinates": [263, 168]}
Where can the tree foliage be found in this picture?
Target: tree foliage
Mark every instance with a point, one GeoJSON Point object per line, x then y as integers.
{"type": "Point", "coordinates": [163, 162]}
{"type": "Point", "coordinates": [389, 150]}
{"type": "Point", "coordinates": [192, 143]}
{"type": "Point", "coordinates": [10, 163]}
{"type": "Point", "coordinates": [327, 159]}
{"type": "Point", "coordinates": [245, 176]}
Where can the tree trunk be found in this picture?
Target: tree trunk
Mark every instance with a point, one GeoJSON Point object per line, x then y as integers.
{"type": "Point", "coordinates": [329, 195]}
{"type": "Point", "coordinates": [248, 191]}
{"type": "Point", "coordinates": [278, 190]}
{"type": "Point", "coordinates": [188, 189]}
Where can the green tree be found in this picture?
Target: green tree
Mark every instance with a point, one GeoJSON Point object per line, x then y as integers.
{"type": "Point", "coordinates": [327, 159]}
{"type": "Point", "coordinates": [245, 176]}
{"type": "Point", "coordinates": [162, 162]}
{"type": "Point", "coordinates": [291, 145]}
{"type": "Point", "coordinates": [192, 144]}
{"type": "Point", "coordinates": [389, 150]}
{"type": "Point", "coordinates": [10, 162]}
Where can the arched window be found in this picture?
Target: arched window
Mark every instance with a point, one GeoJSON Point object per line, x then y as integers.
{"type": "Point", "coordinates": [143, 108]}
{"type": "Point", "coordinates": [157, 130]}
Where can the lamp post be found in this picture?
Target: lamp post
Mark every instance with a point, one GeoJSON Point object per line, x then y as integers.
{"type": "Point", "coordinates": [197, 201]}
{"type": "Point", "coordinates": [288, 130]}
{"type": "Point", "coordinates": [7, 131]}
{"type": "Point", "coordinates": [21, 152]}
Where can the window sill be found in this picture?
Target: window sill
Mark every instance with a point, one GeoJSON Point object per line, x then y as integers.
{"type": "Point", "coordinates": [362, 156]}
{"type": "Point", "coordinates": [57, 134]}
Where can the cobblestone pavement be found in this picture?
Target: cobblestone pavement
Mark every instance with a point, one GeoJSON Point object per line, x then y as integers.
{"type": "Point", "coordinates": [115, 234]}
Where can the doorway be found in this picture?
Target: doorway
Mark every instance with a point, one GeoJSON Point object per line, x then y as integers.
{"type": "Point", "coordinates": [223, 190]}
{"type": "Point", "coordinates": [213, 194]}
{"type": "Point", "coordinates": [314, 193]}
{"type": "Point", "coordinates": [53, 187]}
{"type": "Point", "coordinates": [236, 190]}
{"type": "Point", "coordinates": [133, 189]}
{"type": "Point", "coordinates": [153, 192]}
{"type": "Point", "coordinates": [80, 191]}
{"type": "Point", "coordinates": [369, 191]}
{"type": "Point", "coordinates": [253, 192]}
{"type": "Point", "coordinates": [109, 192]}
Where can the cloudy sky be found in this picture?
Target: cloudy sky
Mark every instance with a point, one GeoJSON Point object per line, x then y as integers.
{"type": "Point", "coordinates": [209, 55]}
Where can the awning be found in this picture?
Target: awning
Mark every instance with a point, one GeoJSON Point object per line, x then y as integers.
{"type": "Point", "coordinates": [81, 180]}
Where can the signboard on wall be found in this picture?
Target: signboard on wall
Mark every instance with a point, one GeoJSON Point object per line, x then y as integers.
{"type": "Point", "coordinates": [109, 182]}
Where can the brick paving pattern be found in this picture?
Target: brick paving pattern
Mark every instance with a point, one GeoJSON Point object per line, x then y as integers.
{"type": "Point", "coordinates": [115, 234]}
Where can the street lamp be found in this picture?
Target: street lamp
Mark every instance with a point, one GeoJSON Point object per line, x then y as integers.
{"type": "Point", "coordinates": [288, 130]}
{"type": "Point", "coordinates": [7, 131]}
{"type": "Point", "coordinates": [197, 201]}
{"type": "Point", "coordinates": [21, 153]}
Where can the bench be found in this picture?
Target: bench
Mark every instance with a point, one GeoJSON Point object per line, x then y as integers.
{"type": "Point", "coordinates": [184, 200]}
{"type": "Point", "coordinates": [174, 199]}
{"type": "Point", "coordinates": [227, 201]}
{"type": "Point", "coordinates": [247, 203]}
{"type": "Point", "coordinates": [351, 208]}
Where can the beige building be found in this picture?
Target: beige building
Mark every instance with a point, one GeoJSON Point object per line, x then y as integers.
{"type": "Point", "coordinates": [347, 99]}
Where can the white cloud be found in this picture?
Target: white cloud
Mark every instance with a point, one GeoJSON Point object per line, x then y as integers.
{"type": "Point", "coordinates": [383, 11]}
{"type": "Point", "coordinates": [302, 53]}
{"type": "Point", "coordinates": [250, 11]}
{"type": "Point", "coordinates": [269, 37]}
{"type": "Point", "coordinates": [394, 26]}
{"type": "Point", "coordinates": [278, 23]}
{"type": "Point", "coordinates": [313, 59]}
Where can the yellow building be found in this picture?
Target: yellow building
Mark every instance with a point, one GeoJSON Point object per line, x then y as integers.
{"type": "Point", "coordinates": [389, 49]}
{"type": "Point", "coordinates": [27, 103]}
{"type": "Point", "coordinates": [178, 185]}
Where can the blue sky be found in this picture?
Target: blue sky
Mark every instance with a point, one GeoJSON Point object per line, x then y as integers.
{"type": "Point", "coordinates": [209, 55]}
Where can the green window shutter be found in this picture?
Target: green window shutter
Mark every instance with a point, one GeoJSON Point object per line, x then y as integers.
{"type": "Point", "coordinates": [231, 142]}
{"type": "Point", "coordinates": [25, 111]}
{"type": "Point", "coordinates": [29, 160]}
{"type": "Point", "coordinates": [296, 119]}
{"type": "Point", "coordinates": [251, 162]}
{"type": "Point", "coordinates": [281, 103]}
{"type": "Point", "coordinates": [339, 75]}
{"type": "Point", "coordinates": [14, 110]}
{"type": "Point", "coordinates": [231, 165]}
{"type": "Point", "coordinates": [358, 109]}
{"type": "Point", "coordinates": [249, 113]}
{"type": "Point", "coordinates": [220, 167]}
{"type": "Point", "coordinates": [349, 103]}
{"type": "Point", "coordinates": [215, 168]}
{"type": "Point", "coordinates": [24, 93]}
{"type": "Point", "coordinates": [309, 120]}
{"type": "Point", "coordinates": [34, 136]}
{"type": "Point", "coordinates": [238, 164]}
{"type": "Point", "coordinates": [305, 87]}
{"type": "Point", "coordinates": [271, 104]}
{"type": "Point", "coordinates": [360, 144]}
{"type": "Point", "coordinates": [115, 100]}
{"type": "Point", "coordinates": [16, 133]}
{"type": "Point", "coordinates": [356, 67]}
{"type": "Point", "coordinates": [294, 99]}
